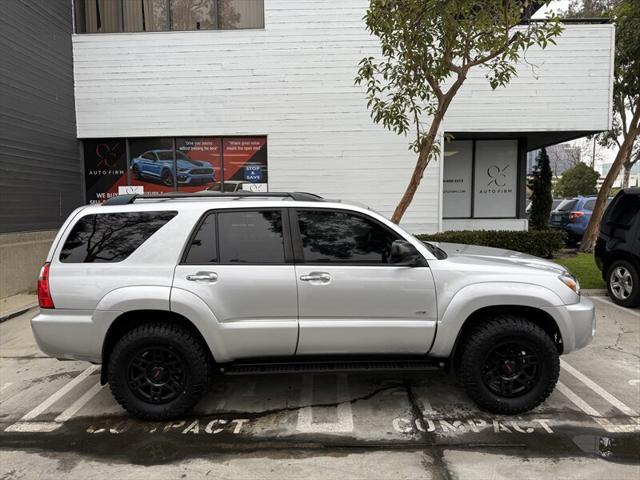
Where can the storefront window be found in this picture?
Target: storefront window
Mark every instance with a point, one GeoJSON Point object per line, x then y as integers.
{"type": "Point", "coordinates": [113, 16]}
{"type": "Point", "coordinates": [151, 163]}
{"type": "Point", "coordinates": [227, 164]}
{"type": "Point", "coordinates": [199, 163]}
{"type": "Point", "coordinates": [480, 179]}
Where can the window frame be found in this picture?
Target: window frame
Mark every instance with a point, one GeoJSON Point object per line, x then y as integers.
{"type": "Point", "coordinates": [286, 236]}
{"type": "Point", "coordinates": [298, 247]}
{"type": "Point", "coordinates": [169, 23]}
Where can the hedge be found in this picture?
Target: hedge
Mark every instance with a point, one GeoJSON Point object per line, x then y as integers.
{"type": "Point", "coordinates": [541, 243]}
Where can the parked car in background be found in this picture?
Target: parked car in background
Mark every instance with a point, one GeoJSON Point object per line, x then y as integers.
{"type": "Point", "coordinates": [617, 251]}
{"type": "Point", "coordinates": [572, 215]}
{"type": "Point", "coordinates": [158, 165]}
{"type": "Point", "coordinates": [554, 204]}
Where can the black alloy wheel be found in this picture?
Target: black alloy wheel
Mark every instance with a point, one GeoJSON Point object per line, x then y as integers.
{"type": "Point", "coordinates": [511, 369]}
{"type": "Point", "coordinates": [157, 374]}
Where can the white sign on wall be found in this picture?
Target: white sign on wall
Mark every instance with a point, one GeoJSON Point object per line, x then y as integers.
{"type": "Point", "coordinates": [496, 179]}
{"type": "Point", "coordinates": [456, 183]}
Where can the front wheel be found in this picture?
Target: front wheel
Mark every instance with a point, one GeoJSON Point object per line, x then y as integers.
{"type": "Point", "coordinates": [167, 178]}
{"type": "Point", "coordinates": [623, 284]}
{"type": "Point", "coordinates": [509, 365]}
{"type": "Point", "coordinates": [158, 371]}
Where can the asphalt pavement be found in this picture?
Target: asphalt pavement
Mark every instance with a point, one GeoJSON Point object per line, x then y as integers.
{"type": "Point", "coordinates": [56, 421]}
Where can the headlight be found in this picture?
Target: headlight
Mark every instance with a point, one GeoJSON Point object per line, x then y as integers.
{"type": "Point", "coordinates": [570, 281]}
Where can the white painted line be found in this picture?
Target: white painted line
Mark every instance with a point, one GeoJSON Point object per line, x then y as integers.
{"type": "Point", "coordinates": [601, 391]}
{"type": "Point", "coordinates": [630, 311]}
{"type": "Point", "coordinates": [59, 394]}
{"type": "Point", "coordinates": [33, 427]}
{"type": "Point", "coordinates": [593, 413]}
{"type": "Point", "coordinates": [6, 385]}
{"type": "Point", "coordinates": [344, 413]}
{"type": "Point", "coordinates": [79, 403]}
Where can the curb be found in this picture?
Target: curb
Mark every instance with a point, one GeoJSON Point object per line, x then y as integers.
{"type": "Point", "coordinates": [595, 292]}
{"type": "Point", "coordinates": [19, 311]}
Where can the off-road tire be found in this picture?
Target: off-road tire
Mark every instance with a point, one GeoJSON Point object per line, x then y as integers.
{"type": "Point", "coordinates": [633, 300]}
{"type": "Point", "coordinates": [181, 342]}
{"type": "Point", "coordinates": [480, 342]}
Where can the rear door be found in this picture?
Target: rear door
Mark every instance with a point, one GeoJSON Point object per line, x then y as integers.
{"type": "Point", "coordinates": [240, 263]}
{"type": "Point", "coordinates": [352, 300]}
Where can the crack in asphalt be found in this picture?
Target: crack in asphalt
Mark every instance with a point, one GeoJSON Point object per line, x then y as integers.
{"type": "Point", "coordinates": [436, 453]}
{"type": "Point", "coordinates": [264, 413]}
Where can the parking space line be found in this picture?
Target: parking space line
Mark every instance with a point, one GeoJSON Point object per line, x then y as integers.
{"type": "Point", "coordinates": [344, 412]}
{"type": "Point", "coordinates": [593, 413]}
{"type": "Point", "coordinates": [79, 403]}
{"type": "Point", "coordinates": [6, 385]}
{"type": "Point", "coordinates": [601, 391]}
{"type": "Point", "coordinates": [20, 424]}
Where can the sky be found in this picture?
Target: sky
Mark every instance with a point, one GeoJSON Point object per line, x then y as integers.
{"type": "Point", "coordinates": [554, 6]}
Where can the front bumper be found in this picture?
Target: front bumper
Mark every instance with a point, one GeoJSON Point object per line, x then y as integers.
{"type": "Point", "coordinates": [190, 179]}
{"type": "Point", "coordinates": [576, 322]}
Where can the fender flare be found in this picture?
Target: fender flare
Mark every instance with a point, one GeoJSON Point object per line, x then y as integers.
{"type": "Point", "coordinates": [474, 297]}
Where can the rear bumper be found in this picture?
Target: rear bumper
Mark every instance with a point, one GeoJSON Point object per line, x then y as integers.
{"type": "Point", "coordinates": [577, 323]}
{"type": "Point", "coordinates": [72, 334]}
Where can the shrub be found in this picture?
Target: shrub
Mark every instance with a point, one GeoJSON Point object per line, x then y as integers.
{"type": "Point", "coordinates": [541, 243]}
{"type": "Point", "coordinates": [541, 199]}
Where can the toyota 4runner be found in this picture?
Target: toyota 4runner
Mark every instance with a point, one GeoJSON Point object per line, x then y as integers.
{"type": "Point", "coordinates": [164, 291]}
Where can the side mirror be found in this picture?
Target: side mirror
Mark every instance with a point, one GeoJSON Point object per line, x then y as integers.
{"type": "Point", "coordinates": [403, 253]}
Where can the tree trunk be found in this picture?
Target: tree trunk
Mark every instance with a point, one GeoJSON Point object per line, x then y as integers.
{"type": "Point", "coordinates": [418, 171]}
{"type": "Point", "coordinates": [627, 172]}
{"type": "Point", "coordinates": [591, 234]}
{"type": "Point", "coordinates": [425, 151]}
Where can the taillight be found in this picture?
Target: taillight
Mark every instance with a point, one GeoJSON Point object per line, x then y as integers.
{"type": "Point", "coordinates": [44, 292]}
{"type": "Point", "coordinates": [573, 216]}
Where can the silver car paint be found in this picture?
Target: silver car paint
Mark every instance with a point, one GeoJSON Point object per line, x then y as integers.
{"type": "Point", "coordinates": [400, 310]}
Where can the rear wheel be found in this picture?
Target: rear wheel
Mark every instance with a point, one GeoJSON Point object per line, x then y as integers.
{"type": "Point", "coordinates": [509, 365]}
{"type": "Point", "coordinates": [136, 172]}
{"type": "Point", "coordinates": [623, 283]}
{"type": "Point", "coordinates": [158, 371]}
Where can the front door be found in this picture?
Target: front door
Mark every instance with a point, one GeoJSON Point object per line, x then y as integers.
{"type": "Point", "coordinates": [351, 299]}
{"type": "Point", "coordinates": [237, 263]}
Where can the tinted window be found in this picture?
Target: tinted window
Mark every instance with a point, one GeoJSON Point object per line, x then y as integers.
{"type": "Point", "coordinates": [111, 237]}
{"type": "Point", "coordinates": [567, 205]}
{"type": "Point", "coordinates": [340, 237]}
{"type": "Point", "coordinates": [589, 204]}
{"type": "Point", "coordinates": [203, 247]}
{"type": "Point", "coordinates": [251, 237]}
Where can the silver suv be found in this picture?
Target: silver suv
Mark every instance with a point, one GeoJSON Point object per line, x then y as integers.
{"type": "Point", "coordinates": [164, 291]}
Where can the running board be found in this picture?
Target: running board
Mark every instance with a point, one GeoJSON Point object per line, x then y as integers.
{"type": "Point", "coordinates": [332, 367]}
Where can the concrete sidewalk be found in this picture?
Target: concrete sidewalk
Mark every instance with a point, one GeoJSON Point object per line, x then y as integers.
{"type": "Point", "coordinates": [16, 305]}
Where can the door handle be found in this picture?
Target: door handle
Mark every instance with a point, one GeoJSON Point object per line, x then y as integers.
{"type": "Point", "coordinates": [320, 277]}
{"type": "Point", "coordinates": [203, 277]}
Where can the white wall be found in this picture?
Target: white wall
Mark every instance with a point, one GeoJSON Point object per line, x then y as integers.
{"type": "Point", "coordinates": [293, 81]}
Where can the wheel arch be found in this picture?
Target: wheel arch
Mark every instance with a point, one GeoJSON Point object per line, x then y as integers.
{"type": "Point", "coordinates": [127, 321]}
{"type": "Point", "coordinates": [534, 315]}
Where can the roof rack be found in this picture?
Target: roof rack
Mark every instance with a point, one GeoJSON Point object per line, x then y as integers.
{"type": "Point", "coordinates": [132, 197]}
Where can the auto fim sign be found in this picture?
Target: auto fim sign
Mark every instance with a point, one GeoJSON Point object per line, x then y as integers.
{"type": "Point", "coordinates": [253, 173]}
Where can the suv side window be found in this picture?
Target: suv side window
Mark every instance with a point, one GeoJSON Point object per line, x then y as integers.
{"type": "Point", "coordinates": [111, 237]}
{"type": "Point", "coordinates": [251, 237]}
{"type": "Point", "coordinates": [589, 204]}
{"type": "Point", "coordinates": [343, 238]}
{"type": "Point", "coordinates": [203, 248]}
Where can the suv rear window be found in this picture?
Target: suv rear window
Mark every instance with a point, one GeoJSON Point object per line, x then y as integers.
{"type": "Point", "coordinates": [111, 237]}
{"type": "Point", "coordinates": [567, 205]}
{"type": "Point", "coordinates": [250, 237]}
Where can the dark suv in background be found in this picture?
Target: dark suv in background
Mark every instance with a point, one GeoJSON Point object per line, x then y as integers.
{"type": "Point", "coordinates": [617, 251]}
